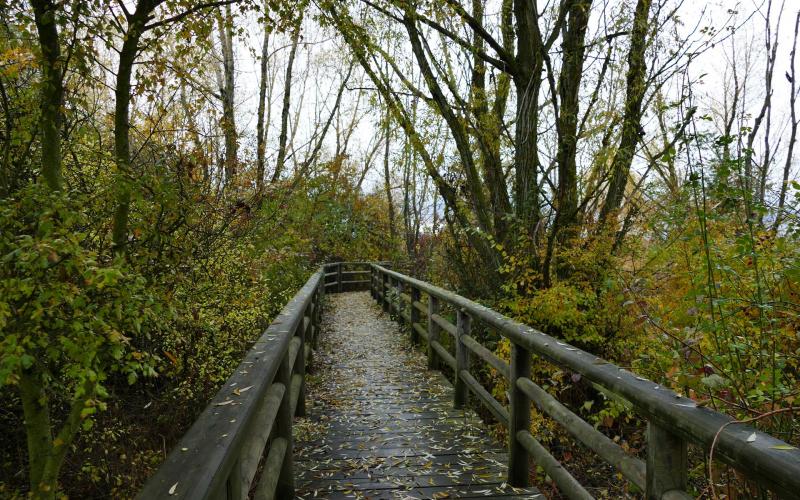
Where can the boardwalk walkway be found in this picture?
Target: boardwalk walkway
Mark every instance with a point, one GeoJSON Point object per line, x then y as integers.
{"type": "Point", "coordinates": [370, 421]}
{"type": "Point", "coordinates": [381, 426]}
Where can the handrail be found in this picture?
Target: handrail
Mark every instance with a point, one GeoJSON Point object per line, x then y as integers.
{"type": "Point", "coordinates": [672, 420]}
{"type": "Point", "coordinates": [242, 441]}
{"type": "Point", "coordinates": [341, 270]}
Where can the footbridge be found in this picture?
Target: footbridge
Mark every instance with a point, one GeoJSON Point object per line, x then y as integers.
{"type": "Point", "coordinates": [366, 385]}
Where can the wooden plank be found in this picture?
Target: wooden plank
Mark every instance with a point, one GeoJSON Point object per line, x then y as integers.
{"type": "Point", "coordinates": [259, 431]}
{"type": "Point", "coordinates": [385, 292]}
{"type": "Point", "coordinates": [420, 331]}
{"type": "Point", "coordinates": [463, 326]}
{"type": "Point", "coordinates": [398, 481]}
{"type": "Point", "coordinates": [630, 467]}
{"type": "Point", "coordinates": [407, 438]}
{"type": "Point", "coordinates": [413, 318]}
{"type": "Point", "coordinates": [267, 487]}
{"type": "Point", "coordinates": [667, 462]}
{"type": "Point", "coordinates": [295, 393]}
{"type": "Point", "coordinates": [488, 401]}
{"type": "Point", "coordinates": [284, 482]}
{"type": "Point", "coordinates": [486, 355]}
{"type": "Point", "coordinates": [491, 460]}
{"type": "Point", "coordinates": [474, 491]}
{"type": "Point", "coordinates": [354, 273]}
{"type": "Point", "coordinates": [444, 355]}
{"type": "Point", "coordinates": [520, 417]}
{"type": "Point", "coordinates": [567, 484]}
{"type": "Point", "coordinates": [444, 324]}
{"type": "Point", "coordinates": [433, 331]}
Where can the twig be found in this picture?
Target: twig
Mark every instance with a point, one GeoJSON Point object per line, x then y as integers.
{"type": "Point", "coordinates": [726, 424]}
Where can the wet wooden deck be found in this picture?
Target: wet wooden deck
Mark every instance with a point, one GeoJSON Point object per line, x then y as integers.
{"type": "Point", "coordinates": [380, 425]}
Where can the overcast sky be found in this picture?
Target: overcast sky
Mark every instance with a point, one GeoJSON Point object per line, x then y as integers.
{"type": "Point", "coordinates": [319, 61]}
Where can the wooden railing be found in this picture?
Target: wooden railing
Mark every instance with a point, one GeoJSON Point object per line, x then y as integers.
{"type": "Point", "coordinates": [347, 276]}
{"type": "Point", "coordinates": [241, 445]}
{"type": "Point", "coordinates": [673, 421]}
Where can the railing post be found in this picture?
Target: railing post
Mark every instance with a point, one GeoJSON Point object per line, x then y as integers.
{"type": "Point", "coordinates": [667, 462]}
{"type": "Point", "coordinates": [520, 418]}
{"type": "Point", "coordinates": [414, 314]}
{"type": "Point", "coordinates": [300, 367]}
{"type": "Point", "coordinates": [399, 306]}
{"type": "Point", "coordinates": [317, 320]}
{"type": "Point", "coordinates": [385, 292]}
{"type": "Point", "coordinates": [372, 283]}
{"type": "Point", "coordinates": [283, 429]}
{"type": "Point", "coordinates": [339, 277]}
{"type": "Point", "coordinates": [433, 331]}
{"type": "Point", "coordinates": [463, 325]}
{"type": "Point", "coordinates": [235, 487]}
{"type": "Point", "coordinates": [391, 297]}
{"type": "Point", "coordinates": [312, 329]}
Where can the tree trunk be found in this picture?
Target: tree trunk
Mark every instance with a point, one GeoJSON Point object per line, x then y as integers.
{"type": "Point", "coordinates": [37, 429]}
{"type": "Point", "coordinates": [122, 101]}
{"type": "Point", "coordinates": [228, 93]}
{"type": "Point", "coordinates": [387, 178]}
{"type": "Point", "coordinates": [52, 91]}
{"type": "Point", "coordinates": [358, 42]}
{"type": "Point", "coordinates": [261, 137]}
{"type": "Point", "coordinates": [573, 47]}
{"type": "Point", "coordinates": [287, 95]}
{"type": "Point", "coordinates": [526, 137]}
{"type": "Point", "coordinates": [787, 167]}
{"type": "Point", "coordinates": [312, 157]}
{"type": "Point", "coordinates": [46, 454]}
{"type": "Point", "coordinates": [474, 184]}
{"type": "Point", "coordinates": [631, 123]}
{"type": "Point", "coordinates": [488, 130]}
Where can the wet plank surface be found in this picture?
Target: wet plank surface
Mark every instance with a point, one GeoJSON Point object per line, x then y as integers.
{"type": "Point", "coordinates": [380, 425]}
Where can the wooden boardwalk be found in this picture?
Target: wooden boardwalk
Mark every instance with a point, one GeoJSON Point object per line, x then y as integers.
{"type": "Point", "coordinates": [380, 425]}
{"type": "Point", "coordinates": [370, 421]}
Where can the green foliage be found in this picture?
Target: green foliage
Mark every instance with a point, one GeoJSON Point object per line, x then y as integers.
{"type": "Point", "coordinates": [725, 309]}
{"type": "Point", "coordinates": [65, 313]}
{"type": "Point", "coordinates": [583, 308]}
{"type": "Point", "coordinates": [328, 218]}
{"type": "Point", "coordinates": [156, 333]}
{"type": "Point", "coordinates": [69, 319]}
{"type": "Point", "coordinates": [701, 297]}
{"type": "Point", "coordinates": [565, 311]}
